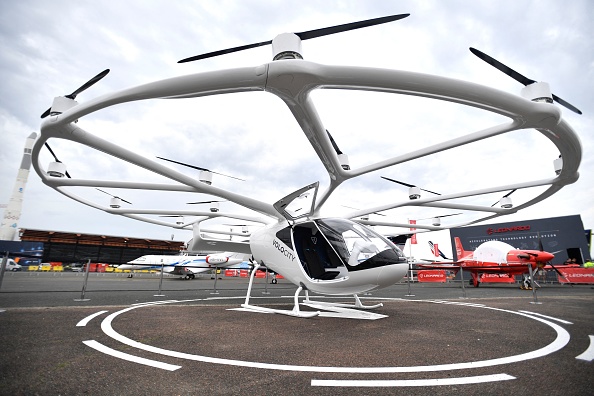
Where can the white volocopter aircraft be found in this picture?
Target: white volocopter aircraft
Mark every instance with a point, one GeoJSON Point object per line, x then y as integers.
{"type": "Point", "coordinates": [336, 256]}
{"type": "Point", "coordinates": [186, 265]}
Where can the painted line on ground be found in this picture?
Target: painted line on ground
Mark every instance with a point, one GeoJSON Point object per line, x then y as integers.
{"type": "Point", "coordinates": [136, 359]}
{"type": "Point", "coordinates": [560, 341]}
{"type": "Point", "coordinates": [89, 318]}
{"type": "Point", "coordinates": [409, 383]}
{"type": "Point", "coordinates": [588, 354]}
{"type": "Point", "coordinates": [547, 317]}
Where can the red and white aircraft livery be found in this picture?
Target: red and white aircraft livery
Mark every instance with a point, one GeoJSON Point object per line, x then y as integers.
{"type": "Point", "coordinates": [494, 257]}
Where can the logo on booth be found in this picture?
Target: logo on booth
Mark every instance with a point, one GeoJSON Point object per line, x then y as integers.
{"type": "Point", "coordinates": [491, 231]}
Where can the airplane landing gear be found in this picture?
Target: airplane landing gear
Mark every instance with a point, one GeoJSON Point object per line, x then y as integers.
{"type": "Point", "coordinates": [526, 283]}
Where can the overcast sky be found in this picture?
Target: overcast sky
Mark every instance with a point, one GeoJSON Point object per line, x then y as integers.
{"type": "Point", "coordinates": [50, 49]}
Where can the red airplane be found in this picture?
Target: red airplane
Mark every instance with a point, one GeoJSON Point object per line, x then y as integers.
{"type": "Point", "coordinates": [494, 257]}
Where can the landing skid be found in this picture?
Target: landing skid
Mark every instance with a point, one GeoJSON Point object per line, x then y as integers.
{"type": "Point", "coordinates": [358, 304]}
{"type": "Point", "coordinates": [338, 310]}
{"type": "Point", "coordinates": [293, 312]}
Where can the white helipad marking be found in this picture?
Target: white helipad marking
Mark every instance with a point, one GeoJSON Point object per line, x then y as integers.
{"type": "Point", "coordinates": [588, 354]}
{"type": "Point", "coordinates": [545, 316]}
{"type": "Point", "coordinates": [88, 318]}
{"type": "Point", "coordinates": [136, 359]}
{"type": "Point", "coordinates": [560, 341]}
{"type": "Point", "coordinates": [406, 383]}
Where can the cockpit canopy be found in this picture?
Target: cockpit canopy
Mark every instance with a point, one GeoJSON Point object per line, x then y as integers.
{"type": "Point", "coordinates": [330, 248]}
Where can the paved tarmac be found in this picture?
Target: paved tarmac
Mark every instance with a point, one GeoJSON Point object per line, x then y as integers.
{"type": "Point", "coordinates": [436, 338]}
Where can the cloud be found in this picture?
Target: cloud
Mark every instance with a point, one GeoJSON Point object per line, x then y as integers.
{"type": "Point", "coordinates": [252, 135]}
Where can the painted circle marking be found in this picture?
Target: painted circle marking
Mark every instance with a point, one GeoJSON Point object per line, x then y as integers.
{"type": "Point", "coordinates": [560, 341]}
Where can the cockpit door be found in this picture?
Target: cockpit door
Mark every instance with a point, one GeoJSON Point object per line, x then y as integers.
{"type": "Point", "coordinates": [298, 204]}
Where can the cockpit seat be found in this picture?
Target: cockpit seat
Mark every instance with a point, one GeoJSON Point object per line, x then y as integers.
{"type": "Point", "coordinates": [328, 275]}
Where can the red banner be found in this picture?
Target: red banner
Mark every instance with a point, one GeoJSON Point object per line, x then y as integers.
{"type": "Point", "coordinates": [497, 278]}
{"type": "Point", "coordinates": [576, 275]}
{"type": "Point", "coordinates": [413, 238]}
{"type": "Point", "coordinates": [432, 276]}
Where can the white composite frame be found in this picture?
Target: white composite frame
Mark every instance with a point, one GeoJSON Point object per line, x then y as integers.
{"type": "Point", "coordinates": [294, 81]}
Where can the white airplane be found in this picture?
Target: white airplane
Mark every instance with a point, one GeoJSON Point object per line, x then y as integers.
{"type": "Point", "coordinates": [186, 265]}
{"type": "Point", "coordinates": [335, 256]}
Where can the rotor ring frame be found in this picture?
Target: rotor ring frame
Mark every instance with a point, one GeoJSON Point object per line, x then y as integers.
{"type": "Point", "coordinates": [306, 77]}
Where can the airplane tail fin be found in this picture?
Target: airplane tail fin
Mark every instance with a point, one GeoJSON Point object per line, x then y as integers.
{"type": "Point", "coordinates": [441, 254]}
{"type": "Point", "coordinates": [460, 252]}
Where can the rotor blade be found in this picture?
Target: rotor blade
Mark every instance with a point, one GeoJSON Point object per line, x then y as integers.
{"type": "Point", "coordinates": [348, 26]}
{"type": "Point", "coordinates": [52, 152]}
{"type": "Point", "coordinates": [518, 77]}
{"type": "Point", "coordinates": [79, 90]}
{"type": "Point", "coordinates": [188, 165]}
{"type": "Point", "coordinates": [302, 35]}
{"type": "Point", "coordinates": [199, 168]}
{"type": "Point", "coordinates": [377, 213]}
{"type": "Point", "coordinates": [408, 185]}
{"type": "Point", "coordinates": [566, 104]}
{"type": "Point", "coordinates": [46, 113]}
{"type": "Point", "coordinates": [505, 69]}
{"type": "Point", "coordinates": [88, 84]}
{"type": "Point", "coordinates": [396, 181]}
{"type": "Point", "coordinates": [505, 196]}
{"type": "Point", "coordinates": [56, 158]}
{"type": "Point", "coordinates": [333, 143]}
{"type": "Point", "coordinates": [454, 214]}
{"type": "Point", "coordinates": [105, 192]}
{"type": "Point", "coordinates": [509, 193]}
{"type": "Point", "coordinates": [114, 196]}
{"type": "Point", "coordinates": [224, 51]}
{"type": "Point", "coordinates": [202, 202]}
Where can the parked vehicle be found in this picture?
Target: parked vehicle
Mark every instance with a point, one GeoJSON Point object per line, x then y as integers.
{"type": "Point", "coordinates": [12, 265]}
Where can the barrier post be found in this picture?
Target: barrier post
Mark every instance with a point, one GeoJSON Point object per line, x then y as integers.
{"type": "Point", "coordinates": [160, 282]}
{"type": "Point", "coordinates": [84, 288]}
{"type": "Point", "coordinates": [3, 268]}
{"type": "Point", "coordinates": [408, 276]}
{"type": "Point", "coordinates": [215, 284]}
{"type": "Point", "coordinates": [266, 283]}
{"type": "Point", "coordinates": [462, 279]}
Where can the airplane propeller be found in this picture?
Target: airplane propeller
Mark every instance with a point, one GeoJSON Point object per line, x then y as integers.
{"type": "Point", "coordinates": [518, 77]}
{"type": "Point", "coordinates": [199, 168]}
{"type": "Point", "coordinates": [408, 185]}
{"type": "Point", "coordinates": [541, 248]}
{"type": "Point", "coordinates": [116, 197]}
{"type": "Point", "coordinates": [56, 158]}
{"type": "Point", "coordinates": [303, 35]}
{"type": "Point", "coordinates": [83, 87]}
